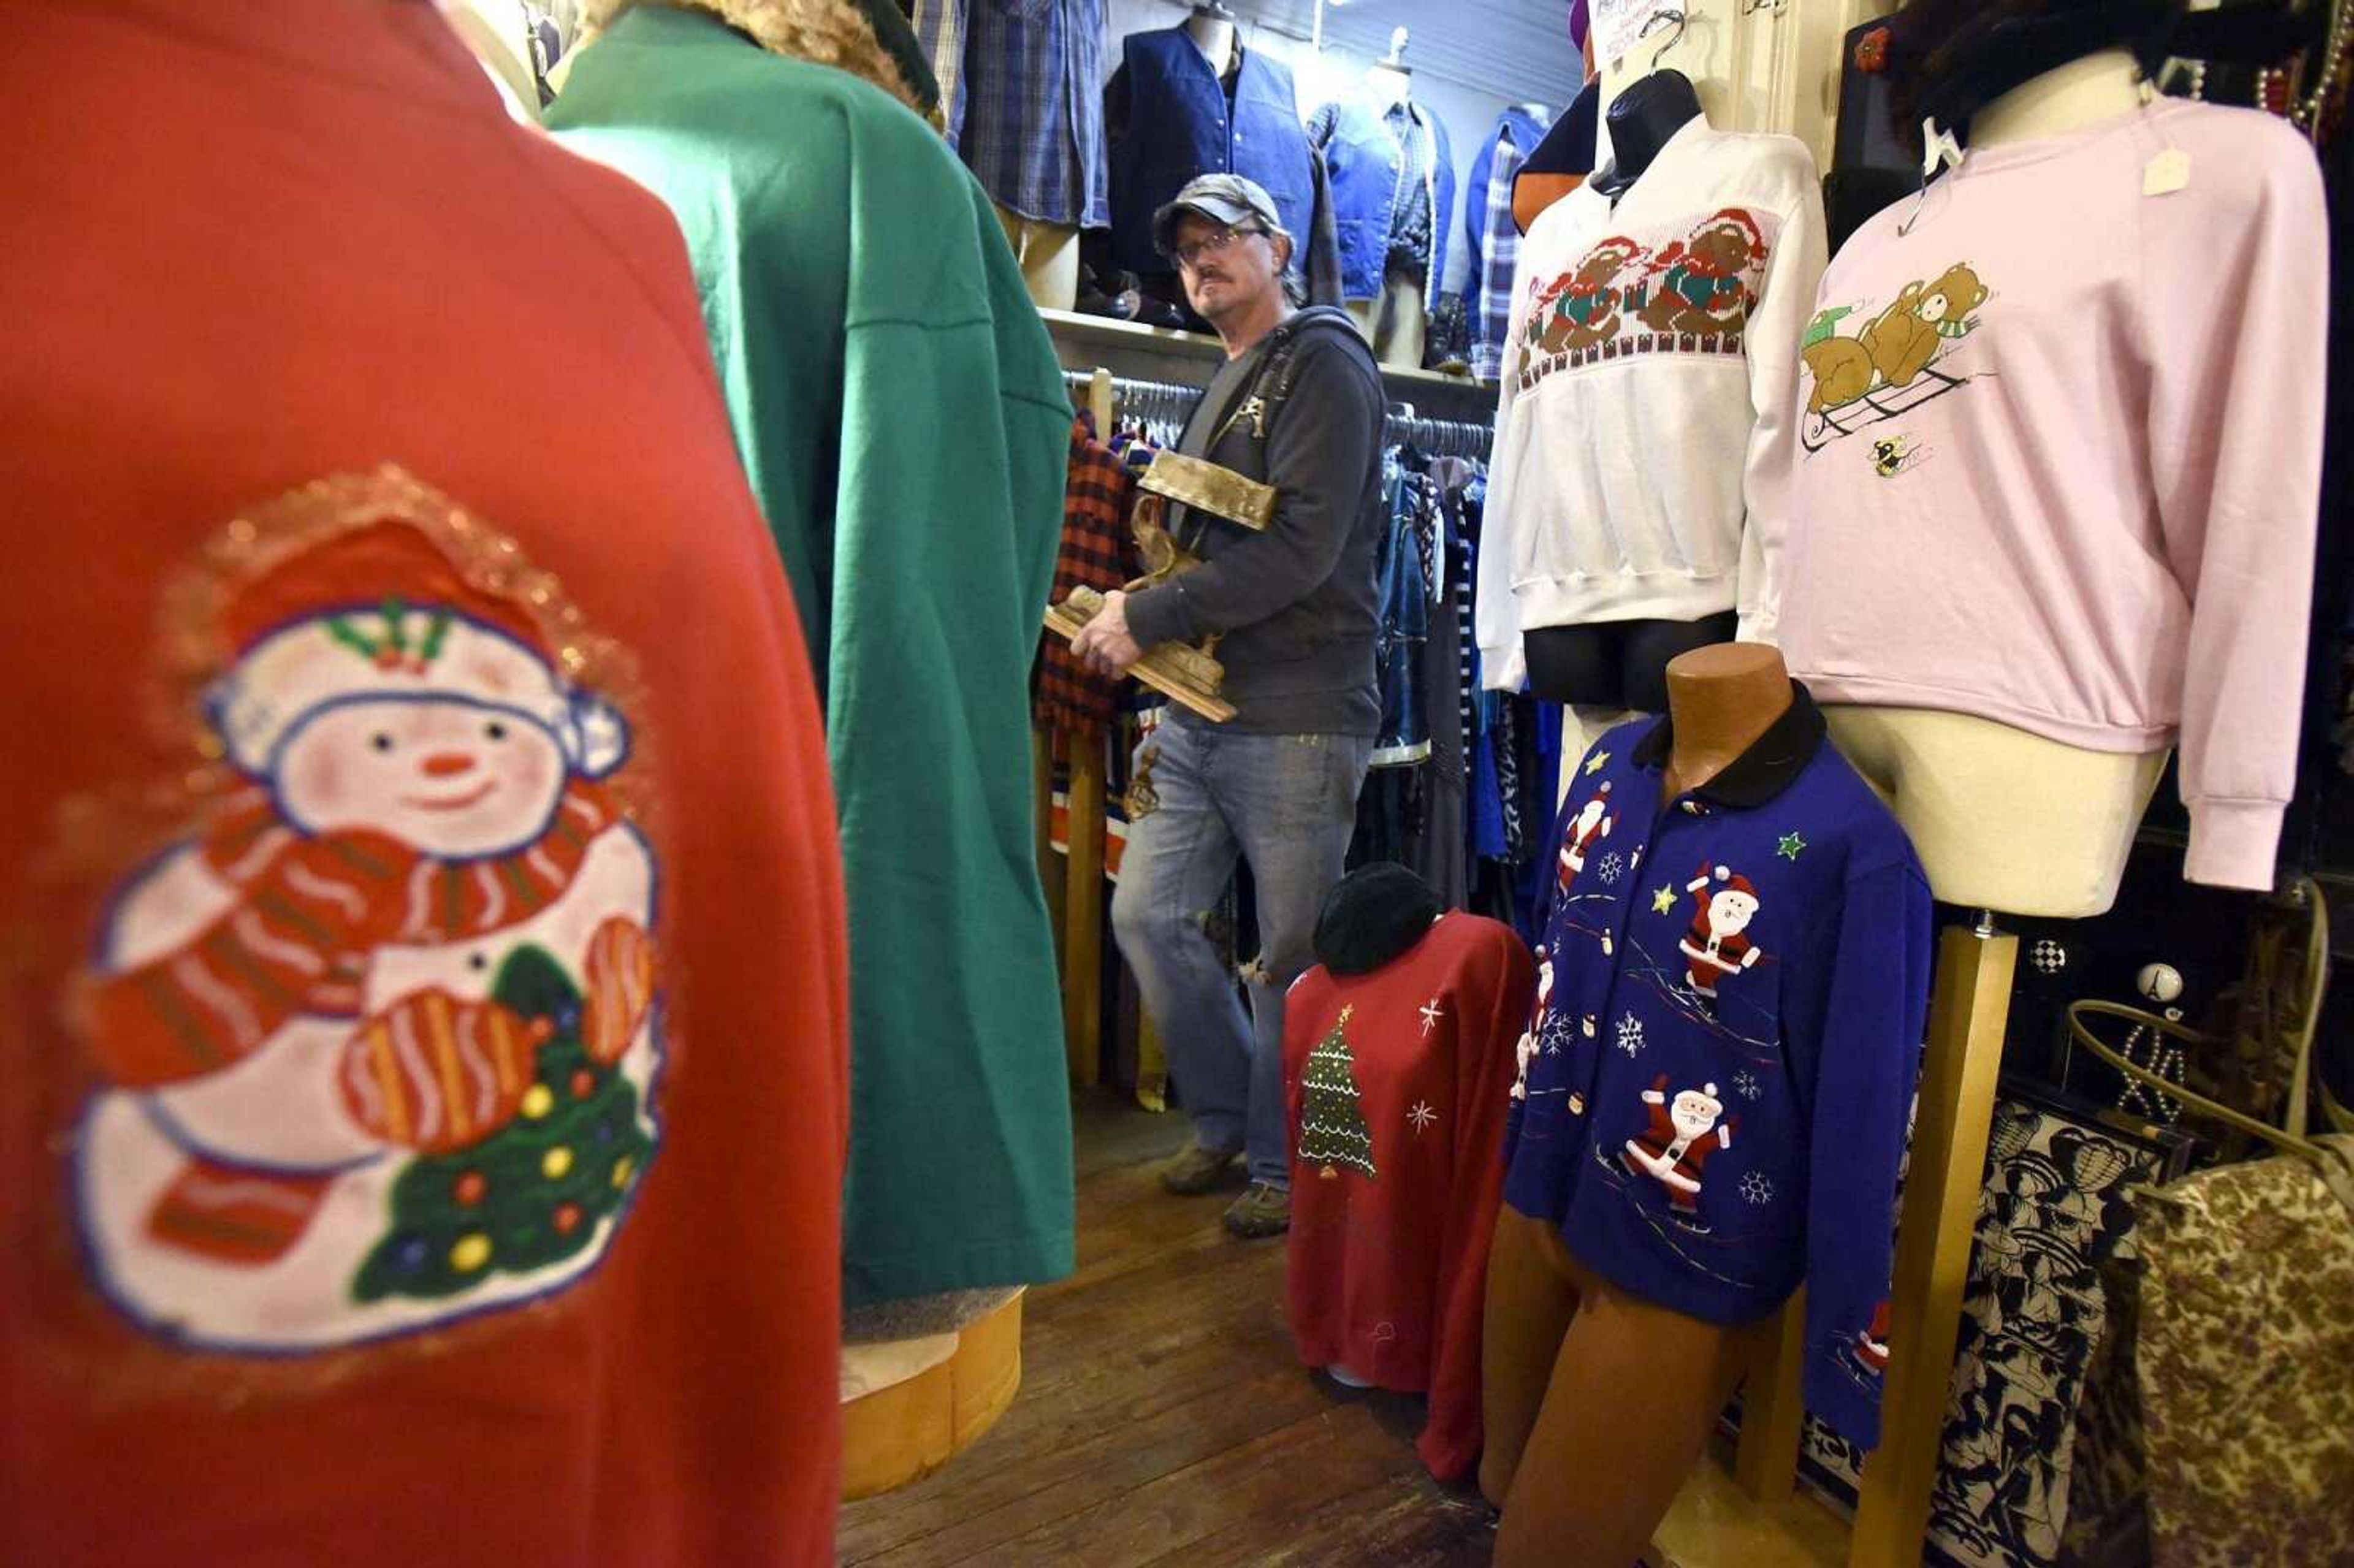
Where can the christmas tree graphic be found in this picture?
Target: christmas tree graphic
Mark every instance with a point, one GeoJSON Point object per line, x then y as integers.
{"type": "Point", "coordinates": [1332, 1129]}
{"type": "Point", "coordinates": [534, 1193]}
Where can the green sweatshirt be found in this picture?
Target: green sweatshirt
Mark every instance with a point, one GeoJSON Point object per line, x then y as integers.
{"type": "Point", "coordinates": [900, 412]}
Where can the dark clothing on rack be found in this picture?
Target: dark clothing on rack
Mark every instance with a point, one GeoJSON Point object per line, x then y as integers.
{"type": "Point", "coordinates": [1095, 554]}
{"type": "Point", "coordinates": [1442, 851]}
{"type": "Point", "coordinates": [1405, 572]}
{"type": "Point", "coordinates": [1301, 411]}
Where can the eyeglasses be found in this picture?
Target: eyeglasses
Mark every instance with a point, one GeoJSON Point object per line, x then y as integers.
{"type": "Point", "coordinates": [1211, 244]}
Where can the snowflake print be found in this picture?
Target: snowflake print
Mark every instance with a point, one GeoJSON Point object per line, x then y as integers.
{"type": "Point", "coordinates": [1630, 1033]}
{"type": "Point", "coordinates": [1746, 1086]}
{"type": "Point", "coordinates": [1422, 1116]}
{"type": "Point", "coordinates": [1756, 1188]}
{"type": "Point", "coordinates": [1610, 868]}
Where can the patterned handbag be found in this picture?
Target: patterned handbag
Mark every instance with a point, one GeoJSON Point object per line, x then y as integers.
{"type": "Point", "coordinates": [2247, 1363]}
{"type": "Point", "coordinates": [2245, 1350]}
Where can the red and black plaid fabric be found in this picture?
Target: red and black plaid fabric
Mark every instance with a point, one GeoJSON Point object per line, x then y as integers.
{"type": "Point", "coordinates": [1096, 554]}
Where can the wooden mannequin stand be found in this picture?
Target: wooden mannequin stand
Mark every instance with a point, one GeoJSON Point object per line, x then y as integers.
{"type": "Point", "coordinates": [897, 1436]}
{"type": "Point", "coordinates": [1968, 1013]}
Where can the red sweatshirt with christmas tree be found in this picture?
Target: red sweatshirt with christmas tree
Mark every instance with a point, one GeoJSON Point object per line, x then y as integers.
{"type": "Point", "coordinates": [1400, 1084]}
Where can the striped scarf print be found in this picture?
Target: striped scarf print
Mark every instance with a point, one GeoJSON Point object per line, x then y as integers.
{"type": "Point", "coordinates": [296, 941]}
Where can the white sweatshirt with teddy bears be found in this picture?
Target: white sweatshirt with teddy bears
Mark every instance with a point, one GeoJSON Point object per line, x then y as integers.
{"type": "Point", "coordinates": [1650, 366]}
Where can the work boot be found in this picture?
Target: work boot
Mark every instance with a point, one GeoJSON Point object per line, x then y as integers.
{"type": "Point", "coordinates": [1197, 1171]}
{"type": "Point", "coordinates": [1261, 1210]}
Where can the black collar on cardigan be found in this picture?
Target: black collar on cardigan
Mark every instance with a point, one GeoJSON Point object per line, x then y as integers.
{"type": "Point", "coordinates": [1760, 773]}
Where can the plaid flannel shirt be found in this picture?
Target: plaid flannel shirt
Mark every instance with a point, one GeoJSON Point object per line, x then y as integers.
{"type": "Point", "coordinates": [1498, 255]}
{"type": "Point", "coordinates": [939, 33]}
{"type": "Point", "coordinates": [1095, 554]}
{"type": "Point", "coordinates": [1029, 118]}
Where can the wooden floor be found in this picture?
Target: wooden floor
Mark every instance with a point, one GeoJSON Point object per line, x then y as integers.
{"type": "Point", "coordinates": [1163, 1416]}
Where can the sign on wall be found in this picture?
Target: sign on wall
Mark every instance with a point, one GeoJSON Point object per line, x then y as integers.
{"type": "Point", "coordinates": [1618, 24]}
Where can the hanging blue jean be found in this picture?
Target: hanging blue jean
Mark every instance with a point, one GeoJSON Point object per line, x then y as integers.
{"type": "Point", "coordinates": [1400, 565]}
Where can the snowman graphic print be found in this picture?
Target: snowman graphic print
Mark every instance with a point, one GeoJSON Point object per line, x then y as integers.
{"type": "Point", "coordinates": [377, 1034]}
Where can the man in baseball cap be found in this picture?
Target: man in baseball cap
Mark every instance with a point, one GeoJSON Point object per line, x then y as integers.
{"type": "Point", "coordinates": [1231, 252]}
{"type": "Point", "coordinates": [1229, 199]}
{"type": "Point", "coordinates": [1298, 408]}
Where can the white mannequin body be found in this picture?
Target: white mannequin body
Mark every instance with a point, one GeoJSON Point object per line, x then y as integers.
{"type": "Point", "coordinates": [1963, 785]}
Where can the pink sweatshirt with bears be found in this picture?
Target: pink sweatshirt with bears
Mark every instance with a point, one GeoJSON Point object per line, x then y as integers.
{"type": "Point", "coordinates": [2057, 463]}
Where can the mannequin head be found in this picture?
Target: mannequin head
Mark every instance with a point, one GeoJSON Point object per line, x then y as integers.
{"type": "Point", "coordinates": [1948, 59]}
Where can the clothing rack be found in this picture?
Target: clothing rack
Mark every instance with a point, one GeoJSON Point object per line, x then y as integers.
{"type": "Point", "coordinates": [1439, 438]}
{"type": "Point", "coordinates": [1162, 406]}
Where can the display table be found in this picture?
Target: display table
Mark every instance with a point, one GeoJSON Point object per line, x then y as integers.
{"type": "Point", "coordinates": [899, 1435]}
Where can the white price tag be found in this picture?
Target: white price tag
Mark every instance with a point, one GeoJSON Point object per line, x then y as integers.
{"type": "Point", "coordinates": [2166, 174]}
{"type": "Point", "coordinates": [1938, 146]}
{"type": "Point", "coordinates": [1616, 25]}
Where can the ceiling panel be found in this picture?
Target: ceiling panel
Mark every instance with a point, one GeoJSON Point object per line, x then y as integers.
{"type": "Point", "coordinates": [1515, 49]}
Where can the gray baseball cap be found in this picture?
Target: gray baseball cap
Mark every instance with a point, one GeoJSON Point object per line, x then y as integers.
{"type": "Point", "coordinates": [1229, 199]}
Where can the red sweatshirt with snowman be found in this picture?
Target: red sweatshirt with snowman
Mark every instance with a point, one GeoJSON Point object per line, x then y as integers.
{"type": "Point", "coordinates": [421, 1125]}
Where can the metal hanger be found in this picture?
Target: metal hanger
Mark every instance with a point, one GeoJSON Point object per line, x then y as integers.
{"type": "Point", "coordinates": [1676, 18]}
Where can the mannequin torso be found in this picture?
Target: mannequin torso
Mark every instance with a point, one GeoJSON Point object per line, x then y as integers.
{"type": "Point", "coordinates": [1946, 775]}
{"type": "Point", "coordinates": [2090, 91]}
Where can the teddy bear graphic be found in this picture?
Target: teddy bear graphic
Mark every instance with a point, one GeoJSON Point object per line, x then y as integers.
{"type": "Point", "coordinates": [1716, 944]}
{"type": "Point", "coordinates": [1582, 307]}
{"type": "Point", "coordinates": [1706, 282]}
{"type": "Point", "coordinates": [1683, 1133]}
{"type": "Point", "coordinates": [1897, 345]}
{"type": "Point", "coordinates": [377, 1037]}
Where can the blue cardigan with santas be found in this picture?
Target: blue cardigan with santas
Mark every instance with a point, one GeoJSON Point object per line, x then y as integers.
{"type": "Point", "coordinates": [1715, 1087]}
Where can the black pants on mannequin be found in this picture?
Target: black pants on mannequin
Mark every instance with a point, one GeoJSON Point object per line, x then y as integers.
{"type": "Point", "coordinates": [1615, 664]}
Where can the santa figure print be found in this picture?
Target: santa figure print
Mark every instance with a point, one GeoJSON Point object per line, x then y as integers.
{"type": "Point", "coordinates": [1871, 1346]}
{"type": "Point", "coordinates": [1714, 946]}
{"type": "Point", "coordinates": [1593, 823]}
{"type": "Point", "coordinates": [377, 1035]}
{"type": "Point", "coordinates": [1683, 1133]}
{"type": "Point", "coordinates": [1532, 1041]}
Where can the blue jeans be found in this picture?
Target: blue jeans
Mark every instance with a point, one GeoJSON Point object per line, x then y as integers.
{"type": "Point", "coordinates": [1287, 803]}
